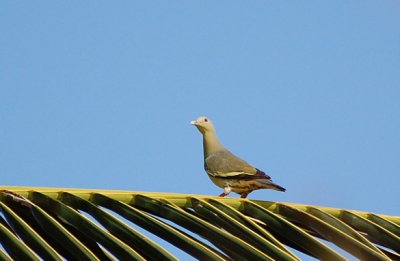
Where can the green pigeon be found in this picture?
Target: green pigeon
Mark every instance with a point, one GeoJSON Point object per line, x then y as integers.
{"type": "Point", "coordinates": [226, 170]}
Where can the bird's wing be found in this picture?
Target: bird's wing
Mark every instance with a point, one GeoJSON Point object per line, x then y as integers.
{"type": "Point", "coordinates": [224, 164]}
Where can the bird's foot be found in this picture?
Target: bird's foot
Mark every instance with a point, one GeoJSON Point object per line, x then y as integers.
{"type": "Point", "coordinates": [227, 190]}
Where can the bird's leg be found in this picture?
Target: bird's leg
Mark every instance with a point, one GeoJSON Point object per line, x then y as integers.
{"type": "Point", "coordinates": [244, 194]}
{"type": "Point", "coordinates": [227, 190]}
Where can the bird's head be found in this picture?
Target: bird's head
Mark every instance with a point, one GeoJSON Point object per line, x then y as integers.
{"type": "Point", "coordinates": [203, 123]}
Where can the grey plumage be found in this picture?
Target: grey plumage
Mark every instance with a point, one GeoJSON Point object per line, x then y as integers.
{"type": "Point", "coordinates": [227, 170]}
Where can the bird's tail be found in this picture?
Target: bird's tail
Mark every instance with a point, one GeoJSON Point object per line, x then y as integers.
{"type": "Point", "coordinates": [277, 187]}
{"type": "Point", "coordinates": [271, 185]}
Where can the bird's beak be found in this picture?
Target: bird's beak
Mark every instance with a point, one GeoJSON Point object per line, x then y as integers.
{"type": "Point", "coordinates": [193, 122]}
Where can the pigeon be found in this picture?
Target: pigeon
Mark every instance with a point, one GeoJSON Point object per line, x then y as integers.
{"type": "Point", "coordinates": [226, 170]}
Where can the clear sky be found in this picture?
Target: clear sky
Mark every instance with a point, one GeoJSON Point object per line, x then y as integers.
{"type": "Point", "coordinates": [100, 95]}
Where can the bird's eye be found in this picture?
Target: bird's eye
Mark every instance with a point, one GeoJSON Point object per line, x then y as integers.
{"type": "Point", "coordinates": [205, 120]}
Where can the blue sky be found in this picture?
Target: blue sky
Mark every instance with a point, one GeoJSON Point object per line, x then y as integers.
{"type": "Point", "coordinates": [100, 95]}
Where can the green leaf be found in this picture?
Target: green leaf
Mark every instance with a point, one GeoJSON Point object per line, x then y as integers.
{"type": "Point", "coordinates": [173, 235]}
{"type": "Point", "coordinates": [291, 232]}
{"type": "Point", "coordinates": [137, 241]}
{"type": "Point", "coordinates": [29, 236]}
{"type": "Point", "coordinates": [80, 222]}
{"type": "Point", "coordinates": [373, 231]}
{"type": "Point", "coordinates": [232, 245]}
{"type": "Point", "coordinates": [59, 224]}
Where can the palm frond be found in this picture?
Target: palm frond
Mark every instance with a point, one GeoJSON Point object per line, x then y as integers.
{"type": "Point", "coordinates": [57, 224]}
